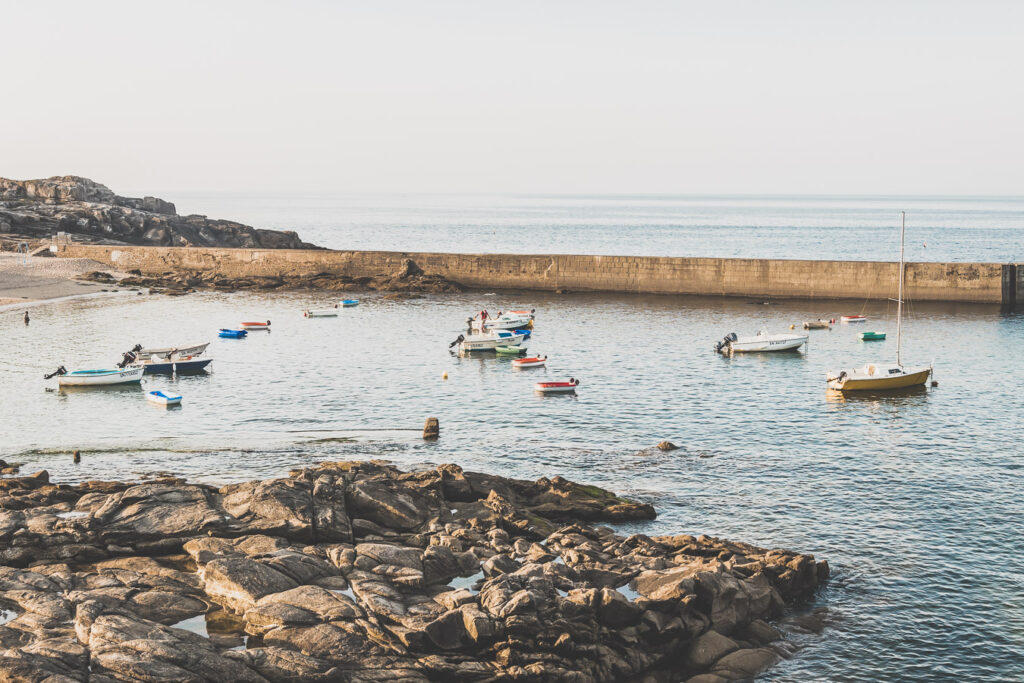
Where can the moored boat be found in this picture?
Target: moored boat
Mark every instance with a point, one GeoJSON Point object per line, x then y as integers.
{"type": "Point", "coordinates": [884, 376]}
{"type": "Point", "coordinates": [557, 387]}
{"type": "Point", "coordinates": [854, 318]}
{"type": "Point", "coordinates": [503, 321]}
{"type": "Point", "coordinates": [256, 326]}
{"type": "Point", "coordinates": [163, 398]}
{"type": "Point", "coordinates": [488, 341]}
{"type": "Point", "coordinates": [194, 350]}
{"type": "Point", "coordinates": [531, 362]}
{"type": "Point", "coordinates": [762, 341]}
{"type": "Point", "coordinates": [818, 324]}
{"type": "Point", "coordinates": [320, 313]}
{"type": "Point", "coordinates": [872, 336]}
{"type": "Point", "coordinates": [174, 365]}
{"type": "Point", "coordinates": [232, 334]}
{"type": "Point", "coordinates": [89, 378]}
{"type": "Point", "coordinates": [349, 302]}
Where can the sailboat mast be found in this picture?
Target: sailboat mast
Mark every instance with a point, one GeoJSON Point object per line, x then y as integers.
{"type": "Point", "coordinates": [899, 297]}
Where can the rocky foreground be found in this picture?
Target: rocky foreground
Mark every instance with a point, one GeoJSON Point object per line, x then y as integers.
{"type": "Point", "coordinates": [360, 572]}
{"type": "Point", "coordinates": [90, 211]}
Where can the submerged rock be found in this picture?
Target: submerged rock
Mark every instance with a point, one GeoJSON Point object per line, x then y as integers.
{"type": "Point", "coordinates": [359, 571]}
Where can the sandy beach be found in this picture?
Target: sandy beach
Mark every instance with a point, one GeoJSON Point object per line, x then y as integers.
{"type": "Point", "coordinates": [31, 279]}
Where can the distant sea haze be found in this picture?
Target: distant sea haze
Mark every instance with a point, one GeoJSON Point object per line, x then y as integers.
{"type": "Point", "coordinates": [793, 227]}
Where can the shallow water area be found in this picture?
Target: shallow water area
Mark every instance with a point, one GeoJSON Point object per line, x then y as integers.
{"type": "Point", "coordinates": [911, 498]}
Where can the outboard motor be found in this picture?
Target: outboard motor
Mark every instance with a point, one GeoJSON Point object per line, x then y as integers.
{"type": "Point", "coordinates": [58, 371]}
{"type": "Point", "coordinates": [127, 359]}
{"type": "Point", "coordinates": [726, 341]}
{"type": "Point", "coordinates": [455, 343]}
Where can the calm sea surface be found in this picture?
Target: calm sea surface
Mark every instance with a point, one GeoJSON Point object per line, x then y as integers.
{"type": "Point", "coordinates": [855, 228]}
{"type": "Point", "coordinates": [915, 499]}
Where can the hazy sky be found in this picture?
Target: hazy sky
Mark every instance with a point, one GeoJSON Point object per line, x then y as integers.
{"type": "Point", "coordinates": [549, 97]}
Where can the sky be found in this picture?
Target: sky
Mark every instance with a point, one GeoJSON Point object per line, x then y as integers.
{"type": "Point", "coordinates": [547, 97]}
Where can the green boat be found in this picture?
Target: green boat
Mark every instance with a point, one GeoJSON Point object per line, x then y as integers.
{"type": "Point", "coordinates": [509, 349]}
{"type": "Point", "coordinates": [872, 336]}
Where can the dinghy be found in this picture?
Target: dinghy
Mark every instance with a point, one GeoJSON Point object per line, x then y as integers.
{"type": "Point", "coordinates": [818, 324]}
{"type": "Point", "coordinates": [872, 336]}
{"type": "Point", "coordinates": [321, 313]}
{"type": "Point", "coordinates": [762, 341]}
{"type": "Point", "coordinates": [854, 318]}
{"type": "Point", "coordinates": [256, 326]}
{"type": "Point", "coordinates": [92, 378]}
{"type": "Point", "coordinates": [194, 350]}
{"type": "Point", "coordinates": [350, 302]}
{"type": "Point", "coordinates": [532, 362]}
{"type": "Point", "coordinates": [557, 387]}
{"type": "Point", "coordinates": [162, 398]}
{"type": "Point", "coordinates": [232, 334]}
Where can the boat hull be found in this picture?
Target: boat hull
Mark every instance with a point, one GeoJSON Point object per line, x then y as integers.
{"type": "Point", "coordinates": [195, 350]}
{"type": "Point", "coordinates": [881, 383]}
{"type": "Point", "coordinates": [161, 399]}
{"type": "Point", "coordinates": [320, 314]}
{"type": "Point", "coordinates": [555, 387]}
{"type": "Point", "coordinates": [490, 342]}
{"type": "Point", "coordinates": [255, 326]}
{"type": "Point", "coordinates": [817, 325]}
{"type": "Point", "coordinates": [180, 367]}
{"type": "Point", "coordinates": [97, 378]}
{"type": "Point", "coordinates": [529, 362]}
{"type": "Point", "coordinates": [854, 319]}
{"type": "Point", "coordinates": [759, 345]}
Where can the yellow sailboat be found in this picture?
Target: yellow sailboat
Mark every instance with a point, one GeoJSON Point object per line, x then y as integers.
{"type": "Point", "coordinates": [884, 376]}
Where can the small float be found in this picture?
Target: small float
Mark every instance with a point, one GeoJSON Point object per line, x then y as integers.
{"type": "Point", "coordinates": [818, 324]}
{"type": "Point", "coordinates": [231, 334]}
{"type": "Point", "coordinates": [256, 326]}
{"type": "Point", "coordinates": [872, 336]}
{"type": "Point", "coordinates": [321, 313]}
{"type": "Point", "coordinates": [162, 398]}
{"type": "Point", "coordinates": [854, 318]}
{"type": "Point", "coordinates": [532, 362]}
{"type": "Point", "coordinates": [349, 302]}
{"type": "Point", "coordinates": [557, 387]}
{"type": "Point", "coordinates": [92, 378]}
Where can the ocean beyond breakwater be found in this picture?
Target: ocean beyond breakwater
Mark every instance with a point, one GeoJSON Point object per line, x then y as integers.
{"type": "Point", "coordinates": [360, 572]}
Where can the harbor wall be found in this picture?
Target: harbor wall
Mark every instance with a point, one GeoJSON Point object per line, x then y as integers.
{"type": "Point", "coordinates": [991, 283]}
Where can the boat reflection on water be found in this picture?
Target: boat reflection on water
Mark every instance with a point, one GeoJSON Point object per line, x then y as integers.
{"type": "Point", "coordinates": [125, 388]}
{"type": "Point", "coordinates": [913, 395]}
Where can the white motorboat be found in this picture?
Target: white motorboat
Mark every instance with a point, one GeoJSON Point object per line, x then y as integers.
{"type": "Point", "coordinates": [321, 313]}
{"type": "Point", "coordinates": [532, 362]}
{"type": "Point", "coordinates": [762, 341]}
{"type": "Point", "coordinates": [557, 387]}
{"type": "Point", "coordinates": [89, 378]}
{"type": "Point", "coordinates": [513, 320]}
{"type": "Point", "coordinates": [180, 351]}
{"type": "Point", "coordinates": [488, 341]}
{"type": "Point", "coordinates": [162, 398]}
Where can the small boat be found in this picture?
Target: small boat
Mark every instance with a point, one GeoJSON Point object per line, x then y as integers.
{"type": "Point", "coordinates": [878, 376]}
{"type": "Point", "coordinates": [872, 336]}
{"type": "Point", "coordinates": [321, 313]}
{"type": "Point", "coordinates": [349, 302]}
{"type": "Point", "coordinates": [84, 378]}
{"type": "Point", "coordinates": [232, 334]}
{"type": "Point", "coordinates": [762, 341]}
{"type": "Point", "coordinates": [510, 350]}
{"type": "Point", "coordinates": [854, 318]}
{"type": "Point", "coordinates": [532, 362]}
{"type": "Point", "coordinates": [163, 399]}
{"type": "Point", "coordinates": [818, 324]}
{"type": "Point", "coordinates": [175, 365]}
{"type": "Point", "coordinates": [488, 341]}
{"type": "Point", "coordinates": [194, 350]}
{"type": "Point", "coordinates": [256, 326]}
{"type": "Point", "coordinates": [504, 321]}
{"type": "Point", "coordinates": [557, 387]}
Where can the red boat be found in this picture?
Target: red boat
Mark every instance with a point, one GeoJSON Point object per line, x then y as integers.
{"type": "Point", "coordinates": [557, 387]}
{"type": "Point", "coordinates": [854, 318]}
{"type": "Point", "coordinates": [534, 362]}
{"type": "Point", "coordinates": [256, 326]}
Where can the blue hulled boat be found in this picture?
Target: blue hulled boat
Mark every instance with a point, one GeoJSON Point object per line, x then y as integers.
{"type": "Point", "coordinates": [183, 366]}
{"type": "Point", "coordinates": [232, 334]}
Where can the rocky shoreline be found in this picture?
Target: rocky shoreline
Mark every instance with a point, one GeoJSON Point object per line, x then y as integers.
{"type": "Point", "coordinates": [91, 212]}
{"type": "Point", "coordinates": [361, 572]}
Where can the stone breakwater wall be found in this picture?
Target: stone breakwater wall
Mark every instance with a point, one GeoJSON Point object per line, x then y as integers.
{"type": "Point", "coordinates": [991, 283]}
{"type": "Point", "coordinates": [360, 572]}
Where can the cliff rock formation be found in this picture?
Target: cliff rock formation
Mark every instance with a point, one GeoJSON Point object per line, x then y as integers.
{"type": "Point", "coordinates": [91, 212]}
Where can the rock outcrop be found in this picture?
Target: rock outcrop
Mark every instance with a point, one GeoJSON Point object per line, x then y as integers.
{"type": "Point", "coordinates": [90, 211]}
{"type": "Point", "coordinates": [361, 572]}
